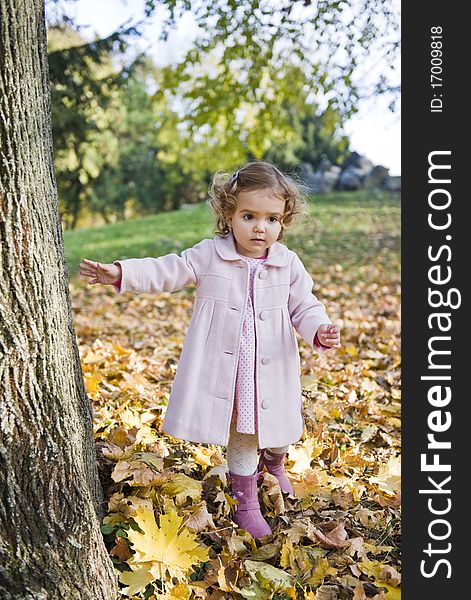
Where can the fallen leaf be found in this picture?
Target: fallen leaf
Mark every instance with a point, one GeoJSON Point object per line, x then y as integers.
{"type": "Point", "coordinates": [272, 495]}
{"type": "Point", "coordinates": [301, 455]}
{"type": "Point", "coordinates": [333, 536]}
{"type": "Point", "coordinates": [200, 519]}
{"type": "Point", "coordinates": [121, 549]}
{"type": "Point", "coordinates": [327, 592]}
{"type": "Point", "coordinates": [356, 547]}
{"type": "Point", "coordinates": [182, 487]}
{"type": "Point", "coordinates": [389, 476]}
{"type": "Point", "coordinates": [220, 470]}
{"type": "Point", "coordinates": [137, 580]}
{"type": "Point", "coordinates": [383, 576]}
{"type": "Point", "coordinates": [137, 473]}
{"type": "Point", "coordinates": [322, 570]}
{"type": "Point", "coordinates": [342, 498]}
{"type": "Point", "coordinates": [278, 579]}
{"type": "Point", "coordinates": [308, 483]}
{"type": "Point", "coordinates": [170, 545]}
{"type": "Point", "coordinates": [359, 592]}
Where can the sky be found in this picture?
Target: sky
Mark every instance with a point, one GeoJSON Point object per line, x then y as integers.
{"type": "Point", "coordinates": [374, 131]}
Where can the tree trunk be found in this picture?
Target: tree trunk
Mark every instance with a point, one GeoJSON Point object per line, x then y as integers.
{"type": "Point", "coordinates": [50, 542]}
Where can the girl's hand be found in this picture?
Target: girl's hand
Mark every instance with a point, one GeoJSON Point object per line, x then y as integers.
{"type": "Point", "coordinates": [100, 273]}
{"type": "Point", "coordinates": [329, 335]}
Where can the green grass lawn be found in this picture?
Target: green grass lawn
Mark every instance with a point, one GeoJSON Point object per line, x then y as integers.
{"type": "Point", "coordinates": [348, 229]}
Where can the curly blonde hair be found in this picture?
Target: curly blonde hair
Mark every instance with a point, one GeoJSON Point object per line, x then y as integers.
{"type": "Point", "coordinates": [257, 175]}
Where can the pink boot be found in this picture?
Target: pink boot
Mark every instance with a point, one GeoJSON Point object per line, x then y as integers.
{"type": "Point", "coordinates": [275, 466]}
{"type": "Point", "coordinates": [248, 515]}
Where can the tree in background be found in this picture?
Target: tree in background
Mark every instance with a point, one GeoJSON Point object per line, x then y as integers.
{"type": "Point", "coordinates": [118, 151]}
{"type": "Point", "coordinates": [85, 103]}
{"type": "Point", "coordinates": [312, 134]}
{"type": "Point", "coordinates": [250, 87]}
{"type": "Point", "coordinates": [130, 181]}
{"type": "Point", "coordinates": [239, 74]}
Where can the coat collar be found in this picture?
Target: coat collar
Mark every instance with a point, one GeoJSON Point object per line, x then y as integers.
{"type": "Point", "coordinates": [225, 247]}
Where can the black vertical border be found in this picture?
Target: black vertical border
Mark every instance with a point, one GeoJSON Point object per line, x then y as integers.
{"type": "Point", "coordinates": [423, 132]}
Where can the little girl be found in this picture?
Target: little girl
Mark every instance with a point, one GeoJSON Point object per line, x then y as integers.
{"type": "Point", "coordinates": [238, 378]}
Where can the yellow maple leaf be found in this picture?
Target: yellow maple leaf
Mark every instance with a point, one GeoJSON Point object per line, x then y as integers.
{"type": "Point", "coordinates": [309, 382]}
{"type": "Point", "coordinates": [169, 546]}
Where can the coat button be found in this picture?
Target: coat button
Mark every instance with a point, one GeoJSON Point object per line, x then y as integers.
{"type": "Point", "coordinates": [266, 403]}
{"type": "Point", "coordinates": [263, 315]}
{"type": "Point", "coordinates": [263, 274]}
{"type": "Point", "coordinates": [266, 360]}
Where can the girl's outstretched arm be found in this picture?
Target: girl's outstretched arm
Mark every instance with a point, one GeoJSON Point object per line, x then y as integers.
{"type": "Point", "coordinates": [97, 272]}
{"type": "Point", "coordinates": [166, 273]}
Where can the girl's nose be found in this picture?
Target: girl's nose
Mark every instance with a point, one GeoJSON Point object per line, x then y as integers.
{"type": "Point", "coordinates": [259, 226]}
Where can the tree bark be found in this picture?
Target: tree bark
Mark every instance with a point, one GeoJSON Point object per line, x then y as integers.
{"type": "Point", "coordinates": [50, 496]}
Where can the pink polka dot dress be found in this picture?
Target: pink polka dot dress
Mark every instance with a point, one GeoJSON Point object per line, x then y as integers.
{"type": "Point", "coordinates": [245, 401]}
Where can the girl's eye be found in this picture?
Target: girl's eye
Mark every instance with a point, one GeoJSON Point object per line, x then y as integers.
{"type": "Point", "coordinates": [273, 219]}
{"type": "Point", "coordinates": [248, 217]}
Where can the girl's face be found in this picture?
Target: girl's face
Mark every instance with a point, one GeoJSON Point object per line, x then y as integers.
{"type": "Point", "coordinates": [256, 222]}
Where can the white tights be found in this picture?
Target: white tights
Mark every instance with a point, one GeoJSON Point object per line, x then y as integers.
{"type": "Point", "coordinates": [242, 452]}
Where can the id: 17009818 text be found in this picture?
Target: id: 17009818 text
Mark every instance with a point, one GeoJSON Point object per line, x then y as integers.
{"type": "Point", "coordinates": [436, 69]}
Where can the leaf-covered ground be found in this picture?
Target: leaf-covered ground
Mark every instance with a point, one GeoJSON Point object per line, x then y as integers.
{"type": "Point", "coordinates": [168, 525]}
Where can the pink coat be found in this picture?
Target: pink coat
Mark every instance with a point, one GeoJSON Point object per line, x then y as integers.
{"type": "Point", "coordinates": [202, 397]}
